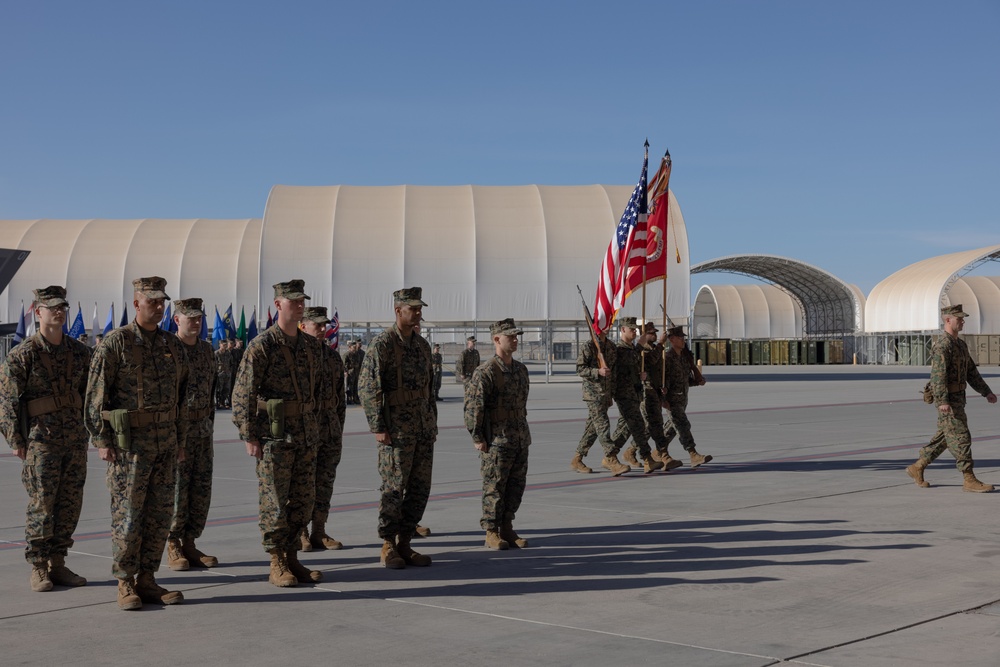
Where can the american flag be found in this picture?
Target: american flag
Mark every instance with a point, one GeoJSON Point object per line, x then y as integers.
{"type": "Point", "coordinates": [627, 248]}
{"type": "Point", "coordinates": [333, 331]}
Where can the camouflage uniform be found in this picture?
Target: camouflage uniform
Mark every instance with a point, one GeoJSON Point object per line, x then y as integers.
{"type": "Point", "coordinates": [678, 383]}
{"type": "Point", "coordinates": [437, 363]}
{"type": "Point", "coordinates": [597, 395]}
{"type": "Point", "coordinates": [352, 364]}
{"type": "Point", "coordinates": [628, 395]}
{"type": "Point", "coordinates": [395, 391]}
{"type": "Point", "coordinates": [193, 485]}
{"type": "Point", "coordinates": [952, 368]}
{"type": "Point", "coordinates": [50, 381]}
{"type": "Point", "coordinates": [496, 413]}
{"type": "Point", "coordinates": [286, 475]}
{"type": "Point", "coordinates": [223, 377]}
{"type": "Point", "coordinates": [146, 373]}
{"type": "Point", "coordinates": [467, 362]}
{"type": "Point", "coordinates": [652, 402]}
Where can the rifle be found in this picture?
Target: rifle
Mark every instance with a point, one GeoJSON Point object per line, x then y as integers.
{"type": "Point", "coordinates": [590, 326]}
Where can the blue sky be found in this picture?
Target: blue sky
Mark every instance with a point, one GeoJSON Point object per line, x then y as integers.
{"type": "Point", "coordinates": [857, 136]}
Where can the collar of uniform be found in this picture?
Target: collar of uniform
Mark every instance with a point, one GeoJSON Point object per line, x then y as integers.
{"type": "Point", "coordinates": [399, 334]}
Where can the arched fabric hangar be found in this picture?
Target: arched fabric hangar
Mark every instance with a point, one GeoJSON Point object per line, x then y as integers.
{"type": "Point", "coordinates": [829, 306]}
{"type": "Point", "coordinates": [746, 311]}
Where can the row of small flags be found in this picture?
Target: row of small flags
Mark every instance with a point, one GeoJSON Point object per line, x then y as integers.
{"type": "Point", "coordinates": [223, 328]}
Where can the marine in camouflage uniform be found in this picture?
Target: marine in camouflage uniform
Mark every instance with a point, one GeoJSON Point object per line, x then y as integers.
{"type": "Point", "coordinates": [141, 369]}
{"type": "Point", "coordinates": [681, 372]}
{"type": "Point", "coordinates": [468, 360]}
{"type": "Point", "coordinates": [395, 391]}
{"type": "Point", "coordinates": [598, 392]}
{"type": "Point", "coordinates": [952, 370]}
{"type": "Point", "coordinates": [193, 480]}
{"type": "Point", "coordinates": [332, 412]}
{"type": "Point", "coordinates": [652, 352]}
{"type": "Point", "coordinates": [628, 389]}
{"type": "Point", "coordinates": [437, 362]}
{"type": "Point", "coordinates": [352, 364]}
{"type": "Point", "coordinates": [275, 407]}
{"type": "Point", "coordinates": [42, 383]}
{"type": "Point", "coordinates": [223, 375]}
{"type": "Point", "coordinates": [496, 414]}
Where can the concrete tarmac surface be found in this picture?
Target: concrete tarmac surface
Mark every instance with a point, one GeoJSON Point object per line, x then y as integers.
{"type": "Point", "coordinates": [804, 543]}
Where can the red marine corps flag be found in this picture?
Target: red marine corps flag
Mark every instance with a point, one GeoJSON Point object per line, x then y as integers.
{"type": "Point", "coordinates": [656, 235]}
{"type": "Point", "coordinates": [627, 249]}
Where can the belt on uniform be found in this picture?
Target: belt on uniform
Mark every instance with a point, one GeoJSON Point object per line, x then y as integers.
{"type": "Point", "coordinates": [404, 396]}
{"type": "Point", "coordinates": [502, 414]}
{"type": "Point", "coordinates": [141, 418]}
{"type": "Point", "coordinates": [958, 386]}
{"type": "Point", "coordinates": [330, 404]}
{"type": "Point", "coordinates": [292, 408]}
{"type": "Point", "coordinates": [47, 404]}
{"type": "Point", "coordinates": [200, 413]}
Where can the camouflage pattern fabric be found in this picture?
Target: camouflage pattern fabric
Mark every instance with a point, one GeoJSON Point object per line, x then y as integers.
{"type": "Point", "coordinates": [224, 377]}
{"type": "Point", "coordinates": [652, 409]}
{"type": "Point", "coordinates": [437, 364]}
{"type": "Point", "coordinates": [678, 370]}
{"type": "Point", "coordinates": [352, 364]}
{"type": "Point", "coordinates": [951, 364]}
{"type": "Point", "coordinates": [467, 362]}
{"type": "Point", "coordinates": [597, 395]}
{"type": "Point", "coordinates": [55, 465]}
{"type": "Point", "coordinates": [496, 413]}
{"type": "Point", "coordinates": [286, 475]}
{"type": "Point", "coordinates": [331, 420]}
{"type": "Point", "coordinates": [141, 481]}
{"type": "Point", "coordinates": [193, 479]}
{"type": "Point", "coordinates": [628, 394]}
{"type": "Point", "coordinates": [405, 465]}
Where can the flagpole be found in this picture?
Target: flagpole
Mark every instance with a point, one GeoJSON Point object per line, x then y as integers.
{"type": "Point", "coordinates": [644, 219]}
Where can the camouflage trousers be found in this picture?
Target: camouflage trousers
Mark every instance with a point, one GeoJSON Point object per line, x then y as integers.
{"type": "Point", "coordinates": [630, 423]}
{"type": "Point", "coordinates": [436, 382]}
{"type": "Point", "coordinates": [352, 387]}
{"type": "Point", "coordinates": [223, 388]}
{"type": "Point", "coordinates": [505, 474]}
{"type": "Point", "coordinates": [141, 483]}
{"type": "Point", "coordinates": [405, 467]}
{"type": "Point", "coordinates": [327, 459]}
{"type": "Point", "coordinates": [598, 427]}
{"type": "Point", "coordinates": [652, 415]}
{"type": "Point", "coordinates": [953, 435]}
{"type": "Point", "coordinates": [193, 489]}
{"type": "Point", "coordinates": [53, 476]}
{"type": "Point", "coordinates": [678, 424]}
{"type": "Point", "coordinates": [286, 490]}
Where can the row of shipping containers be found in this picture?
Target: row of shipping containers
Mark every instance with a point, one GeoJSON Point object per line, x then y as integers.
{"type": "Point", "coordinates": [915, 349]}
{"type": "Point", "coordinates": [725, 352]}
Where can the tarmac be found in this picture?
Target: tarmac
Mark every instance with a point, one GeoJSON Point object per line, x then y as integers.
{"type": "Point", "coordinates": [803, 543]}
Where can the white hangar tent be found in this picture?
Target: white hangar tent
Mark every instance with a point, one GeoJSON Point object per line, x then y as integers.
{"type": "Point", "coordinates": [911, 299]}
{"type": "Point", "coordinates": [480, 253]}
{"type": "Point", "coordinates": [746, 311]}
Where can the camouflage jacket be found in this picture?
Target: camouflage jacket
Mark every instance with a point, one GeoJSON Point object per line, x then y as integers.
{"type": "Point", "coordinates": [331, 390]}
{"type": "Point", "coordinates": [467, 362]}
{"type": "Point", "coordinates": [353, 361]}
{"type": "Point", "coordinates": [653, 360]}
{"type": "Point", "coordinates": [413, 411]}
{"type": "Point", "coordinates": [437, 362]}
{"type": "Point", "coordinates": [952, 368]}
{"type": "Point", "coordinates": [26, 377]}
{"type": "Point", "coordinates": [265, 374]}
{"type": "Point", "coordinates": [628, 385]}
{"type": "Point", "coordinates": [678, 372]}
{"type": "Point", "coordinates": [595, 387]}
{"type": "Point", "coordinates": [496, 404]}
{"type": "Point", "coordinates": [114, 384]}
{"type": "Point", "coordinates": [235, 359]}
{"type": "Point", "coordinates": [200, 401]}
{"type": "Point", "coordinates": [223, 362]}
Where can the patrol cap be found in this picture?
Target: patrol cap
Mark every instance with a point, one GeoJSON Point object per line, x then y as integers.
{"type": "Point", "coordinates": [472, 338]}
{"type": "Point", "coordinates": [649, 327]}
{"type": "Point", "coordinates": [409, 295]}
{"type": "Point", "coordinates": [676, 331]}
{"type": "Point", "coordinates": [315, 314]}
{"type": "Point", "coordinates": [293, 290]}
{"type": "Point", "coordinates": [628, 322]}
{"type": "Point", "coordinates": [189, 307]}
{"type": "Point", "coordinates": [505, 328]}
{"type": "Point", "coordinates": [52, 296]}
{"type": "Point", "coordinates": [954, 311]}
{"type": "Point", "coordinates": [151, 287]}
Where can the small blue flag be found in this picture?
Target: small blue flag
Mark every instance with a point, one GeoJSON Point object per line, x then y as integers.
{"type": "Point", "coordinates": [21, 332]}
{"type": "Point", "coordinates": [167, 320]}
{"type": "Point", "coordinates": [204, 327]}
{"type": "Point", "coordinates": [124, 315]}
{"type": "Point", "coordinates": [252, 327]}
{"type": "Point", "coordinates": [78, 328]}
{"type": "Point", "coordinates": [110, 323]}
{"type": "Point", "coordinates": [218, 330]}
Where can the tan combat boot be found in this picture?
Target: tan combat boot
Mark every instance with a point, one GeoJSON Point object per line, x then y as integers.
{"type": "Point", "coordinates": [422, 531]}
{"type": "Point", "coordinates": [916, 471]}
{"type": "Point", "coordinates": [63, 576]}
{"type": "Point", "coordinates": [629, 456]}
{"type": "Point", "coordinates": [320, 540]}
{"type": "Point", "coordinates": [175, 556]}
{"type": "Point", "coordinates": [697, 459]}
{"type": "Point", "coordinates": [39, 578]}
{"type": "Point", "coordinates": [578, 465]}
{"type": "Point", "coordinates": [669, 462]}
{"type": "Point", "coordinates": [616, 467]}
{"type": "Point", "coordinates": [128, 600]}
{"type": "Point", "coordinates": [280, 575]}
{"type": "Point", "coordinates": [194, 555]}
{"type": "Point", "coordinates": [390, 558]}
{"type": "Point", "coordinates": [304, 543]}
{"type": "Point", "coordinates": [494, 541]}
{"type": "Point", "coordinates": [149, 591]}
{"type": "Point", "coordinates": [649, 464]}
{"type": "Point", "coordinates": [510, 536]}
{"type": "Point", "coordinates": [973, 485]}
{"type": "Point", "coordinates": [409, 556]}
{"type": "Point", "coordinates": [301, 573]}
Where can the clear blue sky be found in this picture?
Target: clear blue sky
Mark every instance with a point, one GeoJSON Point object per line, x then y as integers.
{"type": "Point", "coordinates": [859, 136]}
